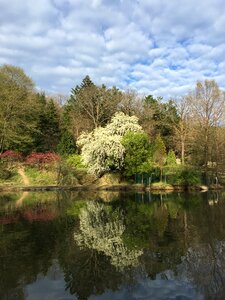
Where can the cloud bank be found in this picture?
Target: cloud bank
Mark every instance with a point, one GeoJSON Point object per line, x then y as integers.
{"type": "Point", "coordinates": [156, 47]}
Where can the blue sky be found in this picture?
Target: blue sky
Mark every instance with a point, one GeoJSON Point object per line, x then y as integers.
{"type": "Point", "coordinates": [155, 47]}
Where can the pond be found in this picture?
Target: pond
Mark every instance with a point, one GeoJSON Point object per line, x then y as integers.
{"type": "Point", "coordinates": [112, 245]}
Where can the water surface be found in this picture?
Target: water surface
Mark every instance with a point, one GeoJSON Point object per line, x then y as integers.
{"type": "Point", "coordinates": [112, 246]}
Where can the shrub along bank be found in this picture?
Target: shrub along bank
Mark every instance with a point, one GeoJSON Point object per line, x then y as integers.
{"type": "Point", "coordinates": [49, 169]}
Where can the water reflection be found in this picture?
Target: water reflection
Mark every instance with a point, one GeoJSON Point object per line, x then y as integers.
{"type": "Point", "coordinates": [204, 265]}
{"type": "Point", "coordinates": [131, 246]}
{"type": "Point", "coordinates": [102, 230]}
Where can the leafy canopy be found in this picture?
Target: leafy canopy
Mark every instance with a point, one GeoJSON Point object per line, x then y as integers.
{"type": "Point", "coordinates": [137, 153]}
{"type": "Point", "coordinates": [18, 109]}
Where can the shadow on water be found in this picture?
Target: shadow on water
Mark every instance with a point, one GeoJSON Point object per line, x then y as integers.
{"type": "Point", "coordinates": [112, 245]}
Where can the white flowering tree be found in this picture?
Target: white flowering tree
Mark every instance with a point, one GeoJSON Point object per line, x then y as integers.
{"type": "Point", "coordinates": [102, 149]}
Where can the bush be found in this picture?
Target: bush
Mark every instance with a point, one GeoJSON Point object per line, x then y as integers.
{"type": "Point", "coordinates": [161, 186]}
{"type": "Point", "coordinates": [66, 175]}
{"type": "Point", "coordinates": [184, 176]}
{"type": "Point", "coordinates": [40, 160]}
{"type": "Point", "coordinates": [75, 161]}
{"type": "Point", "coordinates": [5, 174]}
{"type": "Point", "coordinates": [11, 155]}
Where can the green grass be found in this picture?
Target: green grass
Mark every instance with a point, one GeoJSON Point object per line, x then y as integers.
{"type": "Point", "coordinates": [161, 185]}
{"type": "Point", "coordinates": [35, 176]}
{"type": "Point", "coordinates": [14, 179]}
{"type": "Point", "coordinates": [41, 177]}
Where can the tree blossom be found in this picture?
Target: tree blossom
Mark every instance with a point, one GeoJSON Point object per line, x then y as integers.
{"type": "Point", "coordinates": [102, 149]}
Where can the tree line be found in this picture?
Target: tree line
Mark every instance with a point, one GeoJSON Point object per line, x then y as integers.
{"type": "Point", "coordinates": [191, 128]}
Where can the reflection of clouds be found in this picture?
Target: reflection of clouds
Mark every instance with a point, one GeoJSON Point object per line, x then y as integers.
{"type": "Point", "coordinates": [203, 266]}
{"type": "Point", "coordinates": [102, 230]}
{"type": "Point", "coordinates": [49, 287]}
{"type": "Point", "coordinates": [153, 289]}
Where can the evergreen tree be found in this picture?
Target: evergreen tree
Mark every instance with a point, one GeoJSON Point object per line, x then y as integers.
{"type": "Point", "coordinates": [48, 131]}
{"type": "Point", "coordinates": [85, 84]}
{"type": "Point", "coordinates": [161, 118]}
{"type": "Point", "coordinates": [67, 144]}
{"type": "Point", "coordinates": [171, 159]}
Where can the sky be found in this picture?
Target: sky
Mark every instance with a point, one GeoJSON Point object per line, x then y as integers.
{"type": "Point", "coordinates": [158, 47]}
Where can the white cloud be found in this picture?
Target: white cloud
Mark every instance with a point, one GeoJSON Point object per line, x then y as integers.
{"type": "Point", "coordinates": [157, 47]}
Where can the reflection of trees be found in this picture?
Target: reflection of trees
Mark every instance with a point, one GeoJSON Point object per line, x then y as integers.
{"type": "Point", "coordinates": [102, 230]}
{"type": "Point", "coordinates": [204, 261]}
{"type": "Point", "coordinates": [19, 202]}
{"type": "Point", "coordinates": [182, 240]}
{"type": "Point", "coordinates": [26, 251]}
{"type": "Point", "coordinates": [88, 272]}
{"type": "Point", "coordinates": [204, 266]}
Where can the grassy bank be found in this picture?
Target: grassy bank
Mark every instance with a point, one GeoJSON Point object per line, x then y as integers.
{"type": "Point", "coordinates": [20, 177]}
{"type": "Point", "coordinates": [34, 175]}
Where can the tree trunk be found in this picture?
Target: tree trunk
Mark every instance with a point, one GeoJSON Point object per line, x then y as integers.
{"type": "Point", "coordinates": [182, 152]}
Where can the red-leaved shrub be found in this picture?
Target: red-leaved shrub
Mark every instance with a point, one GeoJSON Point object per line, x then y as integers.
{"type": "Point", "coordinates": [41, 159]}
{"type": "Point", "coordinates": [11, 155]}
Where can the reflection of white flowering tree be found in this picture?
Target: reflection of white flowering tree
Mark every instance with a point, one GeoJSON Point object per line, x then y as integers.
{"type": "Point", "coordinates": [102, 230]}
{"type": "Point", "coordinates": [102, 148]}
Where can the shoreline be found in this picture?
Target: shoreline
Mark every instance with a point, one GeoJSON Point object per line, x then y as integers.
{"type": "Point", "coordinates": [122, 187]}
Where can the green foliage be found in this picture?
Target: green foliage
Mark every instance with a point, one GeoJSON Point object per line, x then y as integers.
{"type": "Point", "coordinates": [151, 101]}
{"type": "Point", "coordinates": [9, 176]}
{"type": "Point", "coordinates": [5, 173]}
{"type": "Point", "coordinates": [159, 151]}
{"type": "Point", "coordinates": [48, 131]}
{"type": "Point", "coordinates": [8, 160]}
{"type": "Point", "coordinates": [75, 160]}
{"type": "Point", "coordinates": [92, 103]}
{"type": "Point", "coordinates": [18, 110]}
{"type": "Point", "coordinates": [137, 152]}
{"type": "Point", "coordinates": [66, 175]}
{"type": "Point", "coordinates": [171, 159]}
{"type": "Point", "coordinates": [162, 117]}
{"type": "Point", "coordinates": [161, 186]}
{"type": "Point", "coordinates": [66, 145]}
{"type": "Point", "coordinates": [186, 176]}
